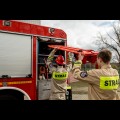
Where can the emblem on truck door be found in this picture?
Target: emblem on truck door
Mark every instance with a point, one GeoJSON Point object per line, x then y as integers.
{"type": "Point", "coordinates": [7, 23]}
{"type": "Point", "coordinates": [51, 31]}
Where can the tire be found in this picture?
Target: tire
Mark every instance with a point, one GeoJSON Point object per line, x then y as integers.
{"type": "Point", "coordinates": [8, 97]}
{"type": "Point", "coordinates": [11, 95]}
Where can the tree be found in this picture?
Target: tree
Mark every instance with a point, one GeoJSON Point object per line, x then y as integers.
{"type": "Point", "coordinates": [111, 41]}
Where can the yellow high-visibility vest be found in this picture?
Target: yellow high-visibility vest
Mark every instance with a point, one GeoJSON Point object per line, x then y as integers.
{"type": "Point", "coordinates": [60, 76]}
{"type": "Point", "coordinates": [109, 83]}
{"type": "Point", "coordinates": [69, 87]}
{"type": "Point", "coordinates": [77, 63]}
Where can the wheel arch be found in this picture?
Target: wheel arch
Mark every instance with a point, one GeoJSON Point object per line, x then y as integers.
{"type": "Point", "coordinates": [16, 89]}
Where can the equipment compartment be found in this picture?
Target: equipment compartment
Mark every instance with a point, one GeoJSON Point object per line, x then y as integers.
{"type": "Point", "coordinates": [43, 53]}
{"type": "Point", "coordinates": [44, 76]}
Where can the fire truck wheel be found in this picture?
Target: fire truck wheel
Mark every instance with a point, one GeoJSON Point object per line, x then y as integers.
{"type": "Point", "coordinates": [11, 95]}
{"type": "Point", "coordinates": [8, 97]}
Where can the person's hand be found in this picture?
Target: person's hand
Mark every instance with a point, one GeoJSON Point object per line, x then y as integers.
{"type": "Point", "coordinates": [80, 56]}
{"type": "Point", "coordinates": [71, 55]}
{"type": "Point", "coordinates": [56, 48]}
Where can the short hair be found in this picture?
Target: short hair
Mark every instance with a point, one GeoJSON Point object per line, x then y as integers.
{"type": "Point", "coordinates": [105, 55]}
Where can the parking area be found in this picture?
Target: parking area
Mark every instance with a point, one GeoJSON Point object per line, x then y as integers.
{"type": "Point", "coordinates": [81, 93]}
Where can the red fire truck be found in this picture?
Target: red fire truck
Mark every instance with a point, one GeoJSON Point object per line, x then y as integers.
{"type": "Point", "coordinates": [23, 51]}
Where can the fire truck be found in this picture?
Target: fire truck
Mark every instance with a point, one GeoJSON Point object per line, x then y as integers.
{"type": "Point", "coordinates": [23, 52]}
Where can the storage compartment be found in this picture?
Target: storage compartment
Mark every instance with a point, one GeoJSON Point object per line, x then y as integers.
{"type": "Point", "coordinates": [43, 53]}
{"type": "Point", "coordinates": [44, 76]}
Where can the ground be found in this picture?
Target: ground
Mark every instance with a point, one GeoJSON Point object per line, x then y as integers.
{"type": "Point", "coordinates": [79, 91]}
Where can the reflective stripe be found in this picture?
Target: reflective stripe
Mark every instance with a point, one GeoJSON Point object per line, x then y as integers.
{"type": "Point", "coordinates": [16, 82]}
{"type": "Point", "coordinates": [19, 82]}
{"type": "Point", "coordinates": [50, 58]}
{"type": "Point", "coordinates": [77, 63]}
{"type": "Point", "coordinates": [60, 76]}
{"type": "Point", "coordinates": [68, 87]}
{"type": "Point", "coordinates": [70, 59]}
{"type": "Point", "coordinates": [109, 83]}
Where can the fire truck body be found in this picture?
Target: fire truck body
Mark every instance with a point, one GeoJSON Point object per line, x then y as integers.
{"type": "Point", "coordinates": [23, 49]}
{"type": "Point", "coordinates": [35, 22]}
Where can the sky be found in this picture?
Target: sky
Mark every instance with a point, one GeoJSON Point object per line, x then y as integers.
{"type": "Point", "coordinates": [81, 33]}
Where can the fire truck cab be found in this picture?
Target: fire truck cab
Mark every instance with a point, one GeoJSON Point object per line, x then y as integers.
{"type": "Point", "coordinates": [23, 51]}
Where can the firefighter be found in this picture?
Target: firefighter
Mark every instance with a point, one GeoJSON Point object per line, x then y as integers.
{"type": "Point", "coordinates": [102, 82]}
{"type": "Point", "coordinates": [59, 75]}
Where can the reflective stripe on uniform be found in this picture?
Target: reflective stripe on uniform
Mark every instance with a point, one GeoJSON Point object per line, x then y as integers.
{"type": "Point", "coordinates": [77, 63]}
{"type": "Point", "coordinates": [109, 83]}
{"type": "Point", "coordinates": [50, 58]}
{"type": "Point", "coordinates": [69, 59]}
{"type": "Point", "coordinates": [68, 87]}
{"type": "Point", "coordinates": [60, 76]}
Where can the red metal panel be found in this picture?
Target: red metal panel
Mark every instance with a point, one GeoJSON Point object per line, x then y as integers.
{"type": "Point", "coordinates": [23, 28]}
{"type": "Point", "coordinates": [26, 28]}
{"type": "Point", "coordinates": [34, 29]}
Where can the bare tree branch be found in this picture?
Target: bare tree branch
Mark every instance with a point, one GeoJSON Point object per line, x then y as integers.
{"type": "Point", "coordinates": [104, 41]}
{"type": "Point", "coordinates": [117, 34]}
{"type": "Point", "coordinates": [113, 39]}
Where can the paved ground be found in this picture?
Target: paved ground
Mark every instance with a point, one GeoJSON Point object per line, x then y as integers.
{"type": "Point", "coordinates": [80, 97]}
{"type": "Point", "coordinates": [81, 93]}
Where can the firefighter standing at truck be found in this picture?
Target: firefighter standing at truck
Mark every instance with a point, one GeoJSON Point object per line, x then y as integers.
{"type": "Point", "coordinates": [59, 75]}
{"type": "Point", "coordinates": [103, 82]}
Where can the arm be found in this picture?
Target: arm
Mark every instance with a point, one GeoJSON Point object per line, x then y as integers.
{"type": "Point", "coordinates": [69, 68]}
{"type": "Point", "coordinates": [90, 76]}
{"type": "Point", "coordinates": [70, 60]}
{"type": "Point", "coordinates": [50, 59]}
